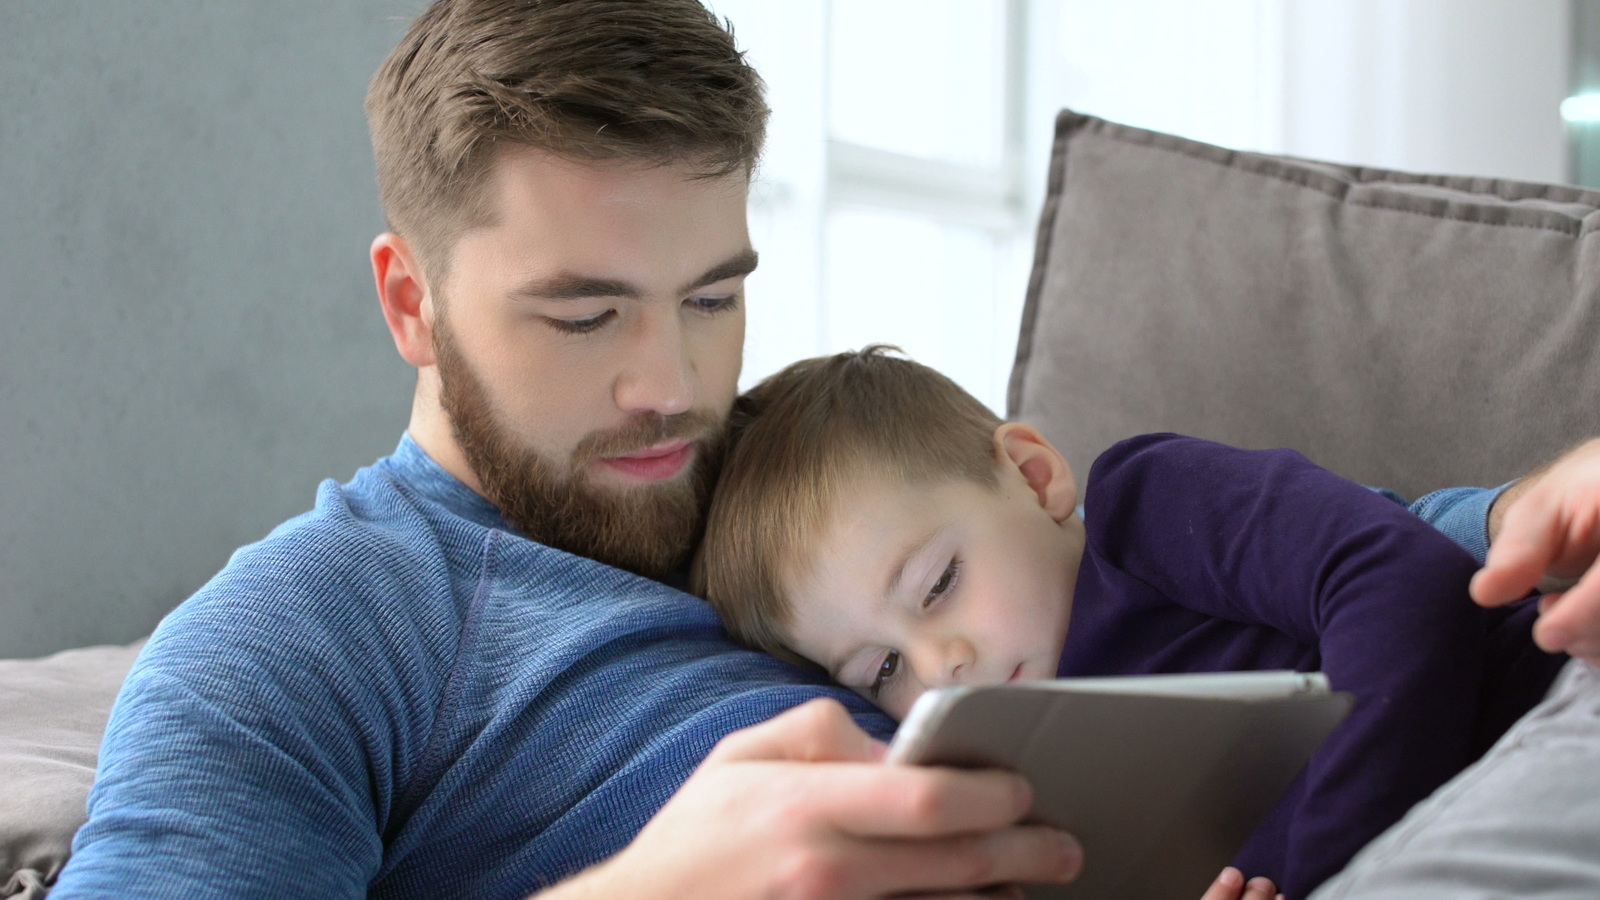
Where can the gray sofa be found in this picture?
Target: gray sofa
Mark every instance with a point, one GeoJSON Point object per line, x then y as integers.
{"type": "Point", "coordinates": [1404, 330]}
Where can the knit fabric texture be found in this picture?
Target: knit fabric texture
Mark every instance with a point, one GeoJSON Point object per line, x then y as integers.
{"type": "Point", "coordinates": [394, 694]}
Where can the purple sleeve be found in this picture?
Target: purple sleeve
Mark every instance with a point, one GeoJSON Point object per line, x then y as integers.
{"type": "Point", "coordinates": [1266, 538]}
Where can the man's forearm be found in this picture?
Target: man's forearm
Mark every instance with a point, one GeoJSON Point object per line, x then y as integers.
{"type": "Point", "coordinates": [1509, 495]}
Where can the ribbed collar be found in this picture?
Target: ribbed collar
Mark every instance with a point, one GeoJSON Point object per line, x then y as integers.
{"type": "Point", "coordinates": [413, 467]}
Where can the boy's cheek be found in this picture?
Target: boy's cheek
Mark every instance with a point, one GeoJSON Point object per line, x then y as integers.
{"type": "Point", "coordinates": [894, 707]}
{"type": "Point", "coordinates": [899, 706]}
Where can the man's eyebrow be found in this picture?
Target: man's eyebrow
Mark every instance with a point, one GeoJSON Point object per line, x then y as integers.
{"type": "Point", "coordinates": [898, 575]}
{"type": "Point", "coordinates": [572, 286]}
{"type": "Point", "coordinates": [734, 267]}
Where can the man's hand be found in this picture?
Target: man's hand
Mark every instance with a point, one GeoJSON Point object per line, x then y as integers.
{"type": "Point", "coordinates": [1548, 525]}
{"type": "Point", "coordinates": [801, 806]}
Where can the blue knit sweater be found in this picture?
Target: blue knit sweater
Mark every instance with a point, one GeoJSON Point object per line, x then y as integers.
{"type": "Point", "coordinates": [395, 695]}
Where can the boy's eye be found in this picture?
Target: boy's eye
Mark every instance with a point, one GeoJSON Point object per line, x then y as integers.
{"type": "Point", "coordinates": [886, 670]}
{"type": "Point", "coordinates": [582, 326]}
{"type": "Point", "coordinates": [943, 585]}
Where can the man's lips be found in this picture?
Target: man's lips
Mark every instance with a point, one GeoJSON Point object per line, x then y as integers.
{"type": "Point", "coordinates": [655, 463]}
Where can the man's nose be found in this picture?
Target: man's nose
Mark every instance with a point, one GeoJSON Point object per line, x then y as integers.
{"type": "Point", "coordinates": [657, 373]}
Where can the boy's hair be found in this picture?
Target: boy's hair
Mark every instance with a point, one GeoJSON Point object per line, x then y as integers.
{"type": "Point", "coordinates": [796, 442]}
{"type": "Point", "coordinates": [653, 81]}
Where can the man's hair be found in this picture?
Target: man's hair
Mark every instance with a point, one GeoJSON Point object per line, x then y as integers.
{"type": "Point", "coordinates": [651, 81]}
{"type": "Point", "coordinates": [797, 443]}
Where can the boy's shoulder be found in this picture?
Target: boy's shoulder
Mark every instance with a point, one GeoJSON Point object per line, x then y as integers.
{"type": "Point", "coordinates": [1156, 472]}
{"type": "Point", "coordinates": [1178, 456]}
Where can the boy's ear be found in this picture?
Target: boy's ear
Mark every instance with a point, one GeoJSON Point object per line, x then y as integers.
{"type": "Point", "coordinates": [403, 293]}
{"type": "Point", "coordinates": [1042, 466]}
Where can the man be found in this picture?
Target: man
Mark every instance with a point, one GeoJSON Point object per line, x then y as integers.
{"type": "Point", "coordinates": [449, 676]}
{"type": "Point", "coordinates": [445, 677]}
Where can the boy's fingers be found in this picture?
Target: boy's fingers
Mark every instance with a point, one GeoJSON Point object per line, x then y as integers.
{"type": "Point", "coordinates": [1260, 889]}
{"type": "Point", "coordinates": [1229, 885]}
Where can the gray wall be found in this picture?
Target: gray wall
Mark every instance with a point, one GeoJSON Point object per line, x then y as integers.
{"type": "Point", "coordinates": [189, 339]}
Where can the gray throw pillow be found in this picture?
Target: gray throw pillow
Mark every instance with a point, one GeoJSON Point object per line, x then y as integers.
{"type": "Point", "coordinates": [1409, 331]}
{"type": "Point", "coordinates": [53, 712]}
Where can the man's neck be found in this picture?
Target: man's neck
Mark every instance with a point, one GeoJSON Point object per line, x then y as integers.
{"type": "Point", "coordinates": [430, 428]}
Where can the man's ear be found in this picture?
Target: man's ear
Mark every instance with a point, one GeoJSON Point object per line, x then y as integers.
{"type": "Point", "coordinates": [403, 293]}
{"type": "Point", "coordinates": [1042, 466]}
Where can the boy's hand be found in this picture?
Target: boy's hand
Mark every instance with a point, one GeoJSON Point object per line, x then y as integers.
{"type": "Point", "coordinates": [801, 806]}
{"type": "Point", "coordinates": [1230, 885]}
{"type": "Point", "coordinates": [1548, 524]}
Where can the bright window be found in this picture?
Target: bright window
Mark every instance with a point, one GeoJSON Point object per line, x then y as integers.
{"type": "Point", "coordinates": [890, 206]}
{"type": "Point", "coordinates": [906, 156]}
{"type": "Point", "coordinates": [920, 77]}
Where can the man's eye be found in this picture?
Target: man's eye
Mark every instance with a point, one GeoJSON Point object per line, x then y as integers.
{"type": "Point", "coordinates": [946, 581]}
{"type": "Point", "coordinates": [582, 326]}
{"type": "Point", "coordinates": [714, 305]}
{"type": "Point", "coordinates": [886, 670]}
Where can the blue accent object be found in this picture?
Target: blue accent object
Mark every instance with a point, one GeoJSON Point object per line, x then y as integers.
{"type": "Point", "coordinates": [394, 695]}
{"type": "Point", "coordinates": [1462, 513]}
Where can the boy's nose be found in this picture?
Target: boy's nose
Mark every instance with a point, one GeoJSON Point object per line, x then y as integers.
{"type": "Point", "coordinates": [950, 663]}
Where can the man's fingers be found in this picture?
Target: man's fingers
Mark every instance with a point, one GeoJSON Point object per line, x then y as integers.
{"type": "Point", "coordinates": [1503, 581]}
{"type": "Point", "coordinates": [815, 731]}
{"type": "Point", "coordinates": [922, 801]}
{"type": "Point", "coordinates": [871, 799]}
{"type": "Point", "coordinates": [865, 797]}
{"type": "Point", "coordinates": [863, 823]}
{"type": "Point", "coordinates": [970, 862]}
{"type": "Point", "coordinates": [1005, 892]}
{"type": "Point", "coordinates": [1570, 622]}
{"type": "Point", "coordinates": [1529, 542]}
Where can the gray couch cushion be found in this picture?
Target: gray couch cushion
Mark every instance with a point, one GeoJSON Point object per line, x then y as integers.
{"type": "Point", "coordinates": [1410, 331]}
{"type": "Point", "coordinates": [52, 713]}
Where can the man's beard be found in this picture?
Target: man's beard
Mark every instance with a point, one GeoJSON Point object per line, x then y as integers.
{"type": "Point", "coordinates": [650, 529]}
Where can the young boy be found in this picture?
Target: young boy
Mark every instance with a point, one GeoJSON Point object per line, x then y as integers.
{"type": "Point", "coordinates": [874, 519]}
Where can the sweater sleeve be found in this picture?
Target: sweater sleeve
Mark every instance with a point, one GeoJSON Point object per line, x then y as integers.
{"type": "Point", "coordinates": [1461, 514]}
{"type": "Point", "coordinates": [1265, 538]}
{"type": "Point", "coordinates": [256, 746]}
{"type": "Point", "coordinates": [229, 777]}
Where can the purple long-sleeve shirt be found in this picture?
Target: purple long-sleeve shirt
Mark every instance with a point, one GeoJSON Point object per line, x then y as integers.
{"type": "Point", "coordinates": [1203, 558]}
